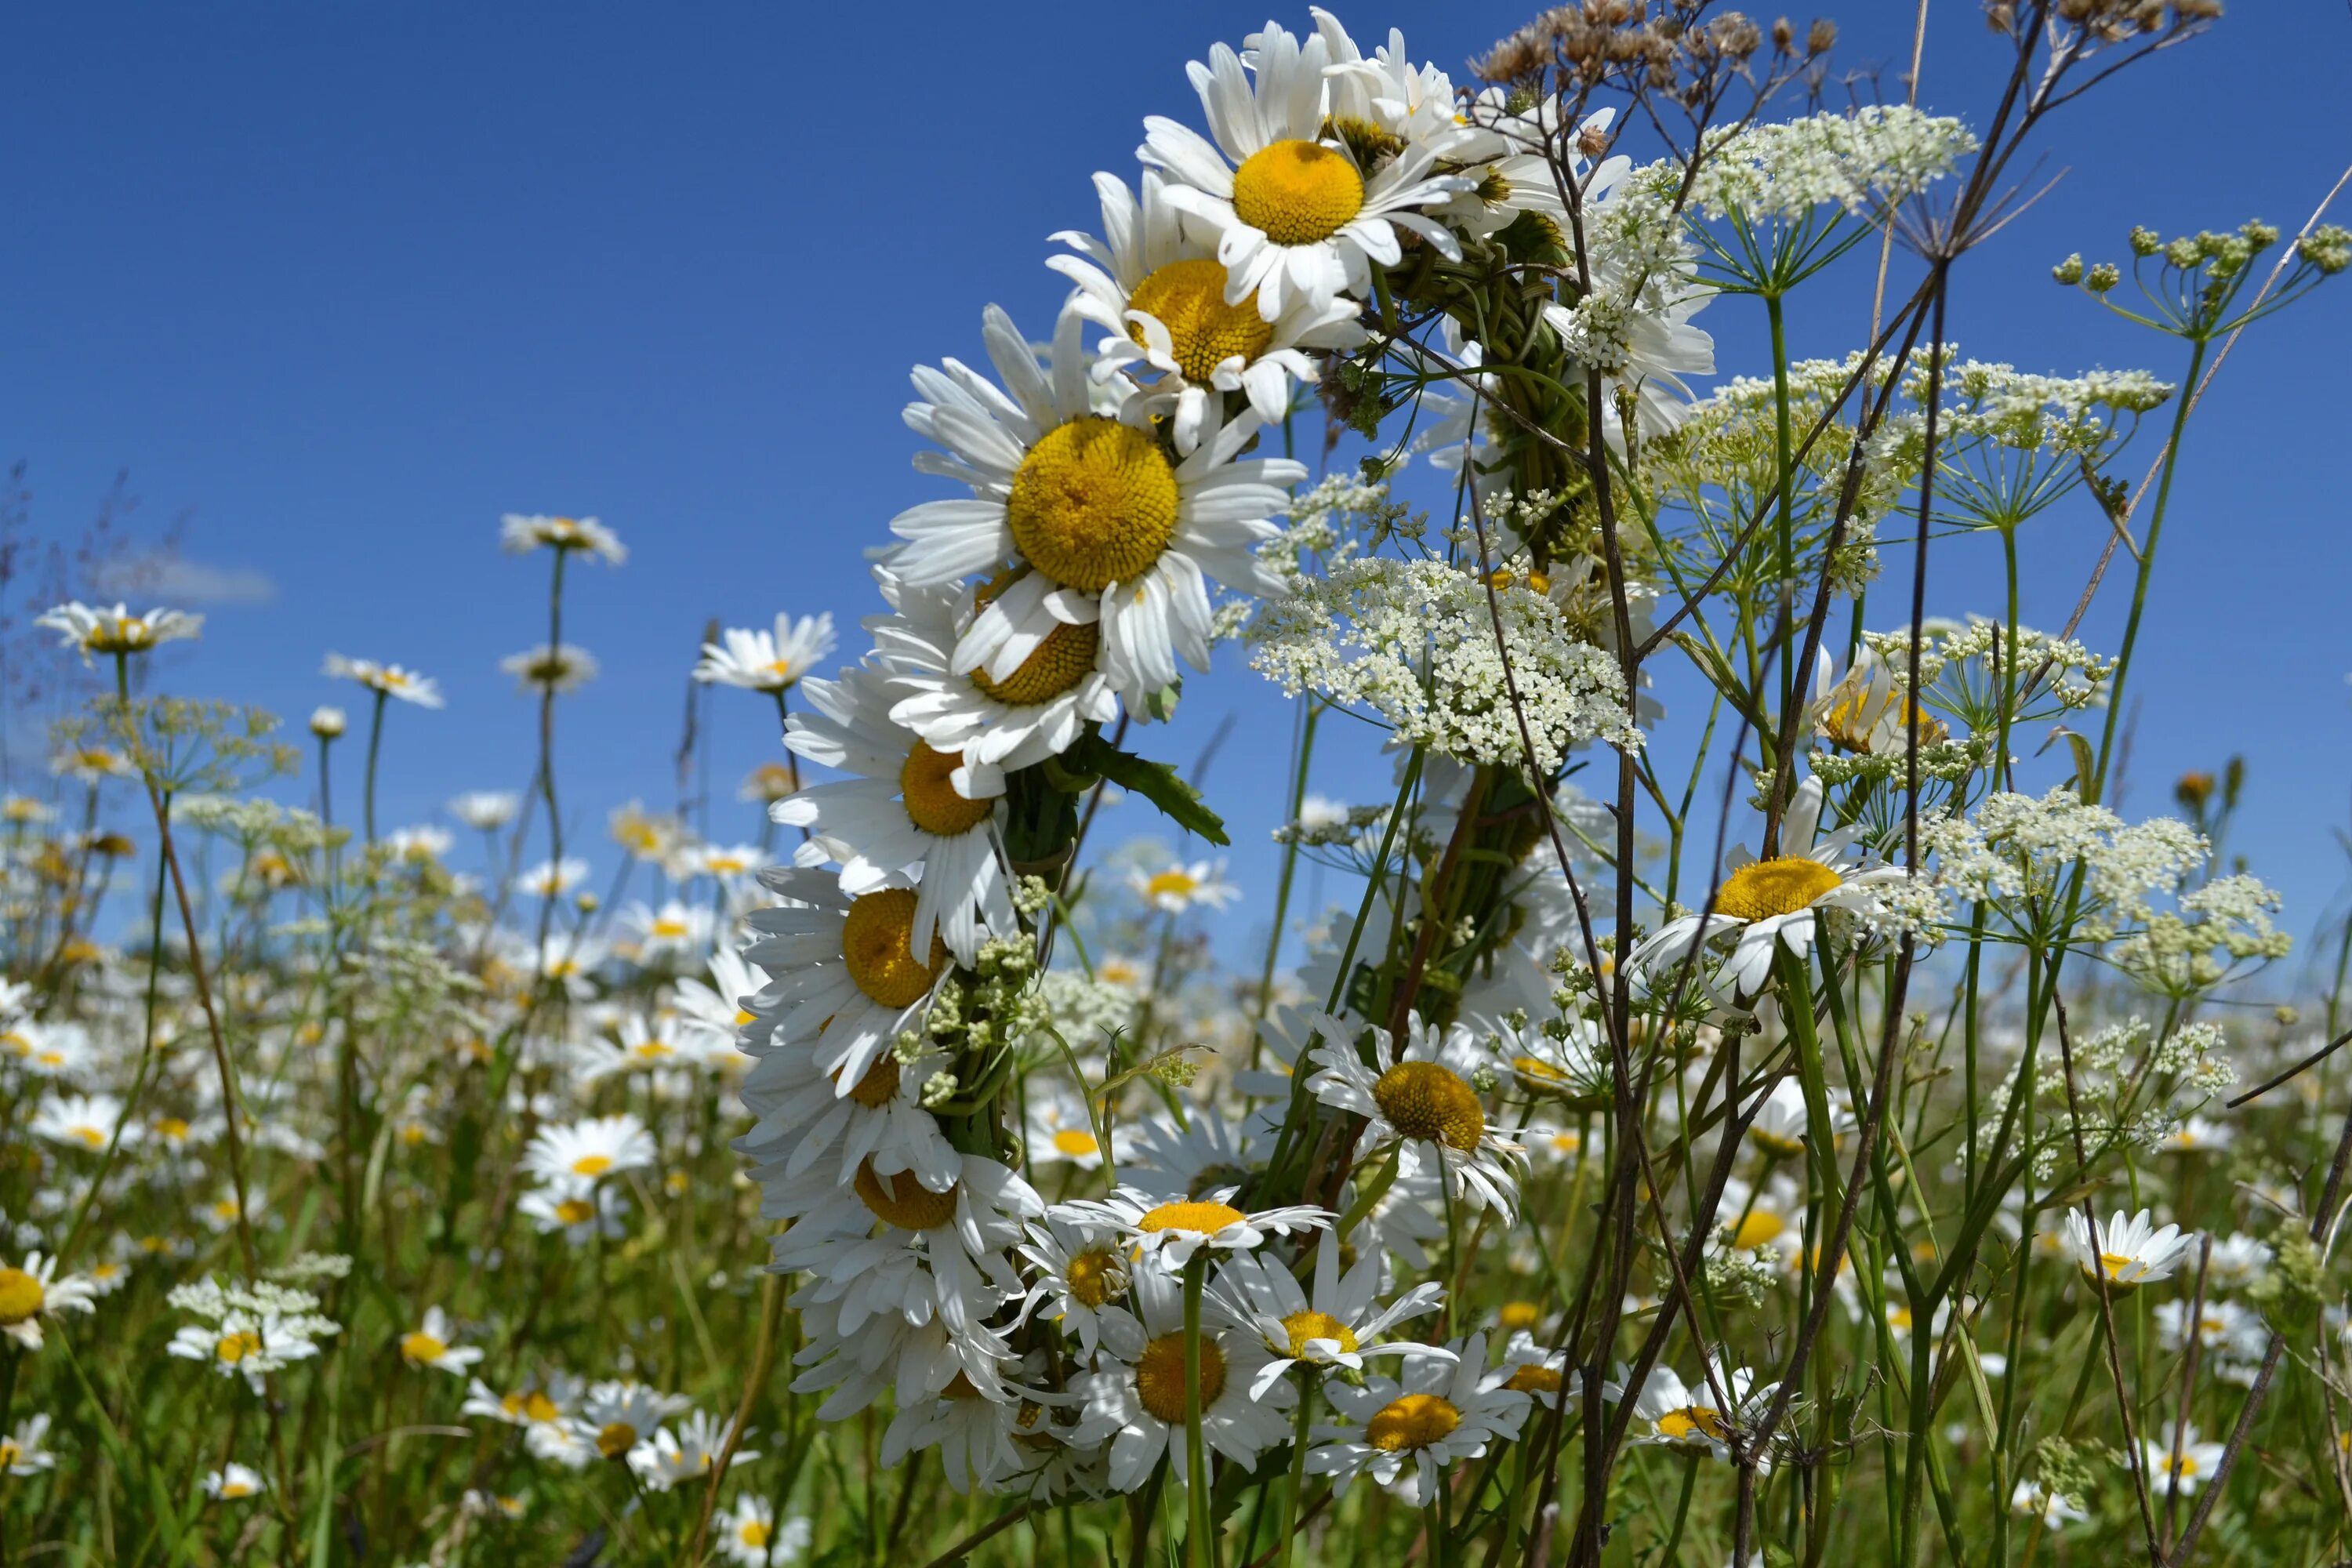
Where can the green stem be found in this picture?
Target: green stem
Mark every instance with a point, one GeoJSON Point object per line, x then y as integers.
{"type": "Point", "coordinates": [1200, 1552]}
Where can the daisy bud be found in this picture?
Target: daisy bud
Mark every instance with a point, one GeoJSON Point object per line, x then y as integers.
{"type": "Point", "coordinates": [327, 722]}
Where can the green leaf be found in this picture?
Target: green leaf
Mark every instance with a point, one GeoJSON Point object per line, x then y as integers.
{"type": "Point", "coordinates": [1157, 783]}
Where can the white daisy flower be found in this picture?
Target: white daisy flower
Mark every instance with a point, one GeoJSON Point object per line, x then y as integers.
{"type": "Point", "coordinates": [1178, 887]}
{"type": "Point", "coordinates": [1402, 1431]}
{"type": "Point", "coordinates": [1389, 95]}
{"type": "Point", "coordinates": [77, 1120]}
{"type": "Point", "coordinates": [1060, 1130]}
{"type": "Point", "coordinates": [434, 1344]}
{"type": "Point", "coordinates": [2198, 1461]}
{"type": "Point", "coordinates": [669, 1458]}
{"type": "Point", "coordinates": [2197, 1136]}
{"type": "Point", "coordinates": [577, 1207]}
{"type": "Point", "coordinates": [909, 809]}
{"type": "Point", "coordinates": [676, 930]}
{"type": "Point", "coordinates": [1137, 1401]}
{"type": "Point", "coordinates": [560, 669]}
{"type": "Point", "coordinates": [1339, 1325]}
{"type": "Point", "coordinates": [535, 1403]}
{"type": "Point", "coordinates": [1295, 217]}
{"type": "Point", "coordinates": [519, 533]}
{"type": "Point", "coordinates": [1779, 1120]}
{"type": "Point", "coordinates": [2238, 1260]}
{"type": "Point", "coordinates": [861, 1357]}
{"type": "Point", "coordinates": [234, 1482]}
{"type": "Point", "coordinates": [620, 1414]}
{"type": "Point", "coordinates": [760, 660]}
{"type": "Point", "coordinates": [1766, 906]}
{"type": "Point", "coordinates": [486, 810]}
{"type": "Point", "coordinates": [1204, 1153]}
{"type": "Point", "coordinates": [552, 878]}
{"type": "Point", "coordinates": [389, 679]}
{"type": "Point", "coordinates": [803, 1117]}
{"type": "Point", "coordinates": [2128, 1249]}
{"type": "Point", "coordinates": [846, 981]}
{"type": "Point", "coordinates": [1094, 504]}
{"type": "Point", "coordinates": [982, 1442]}
{"type": "Point", "coordinates": [1169, 1232]}
{"type": "Point", "coordinates": [1079, 1277]}
{"type": "Point", "coordinates": [24, 1451]}
{"type": "Point", "coordinates": [1160, 292]}
{"type": "Point", "coordinates": [588, 1150]}
{"type": "Point", "coordinates": [36, 1291]}
{"type": "Point", "coordinates": [748, 1536]}
{"type": "Point", "coordinates": [711, 1012]}
{"type": "Point", "coordinates": [1688, 1416]}
{"type": "Point", "coordinates": [116, 631]}
{"type": "Point", "coordinates": [2056, 1508]}
{"type": "Point", "coordinates": [995, 727]}
{"type": "Point", "coordinates": [1419, 1101]}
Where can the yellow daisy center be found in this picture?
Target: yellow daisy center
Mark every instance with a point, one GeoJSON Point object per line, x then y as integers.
{"type": "Point", "coordinates": [1427, 1101]}
{"type": "Point", "coordinates": [1075, 1143]}
{"type": "Point", "coordinates": [880, 1084]}
{"type": "Point", "coordinates": [926, 783]}
{"type": "Point", "coordinates": [1516, 1315]}
{"type": "Point", "coordinates": [1762, 889]}
{"type": "Point", "coordinates": [592, 1164]}
{"type": "Point", "coordinates": [876, 943]}
{"type": "Point", "coordinates": [1414, 1421]}
{"type": "Point", "coordinates": [1160, 1377]}
{"type": "Point", "coordinates": [745, 1015]}
{"type": "Point", "coordinates": [1172, 883]}
{"type": "Point", "coordinates": [1093, 503]}
{"type": "Point", "coordinates": [1188, 298]}
{"type": "Point", "coordinates": [531, 1405]}
{"type": "Point", "coordinates": [616, 1440]}
{"type": "Point", "coordinates": [421, 1346]}
{"type": "Point", "coordinates": [1094, 1276]}
{"type": "Point", "coordinates": [2114, 1263]}
{"type": "Point", "coordinates": [1758, 1227]}
{"type": "Point", "coordinates": [1533, 1380]}
{"type": "Point", "coordinates": [1207, 1218]}
{"type": "Point", "coordinates": [902, 1201]}
{"type": "Point", "coordinates": [1310, 1325]}
{"type": "Point", "coordinates": [21, 1296]}
{"type": "Point", "coordinates": [1295, 193]}
{"type": "Point", "coordinates": [1060, 663]}
{"type": "Point", "coordinates": [575, 1211]}
{"type": "Point", "coordinates": [751, 1532]}
{"type": "Point", "coordinates": [1692, 1420]}
{"type": "Point", "coordinates": [234, 1348]}
{"type": "Point", "coordinates": [172, 1127]}
{"type": "Point", "coordinates": [237, 1490]}
{"type": "Point", "coordinates": [1777, 1142]}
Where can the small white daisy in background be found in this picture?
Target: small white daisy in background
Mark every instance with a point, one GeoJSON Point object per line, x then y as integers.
{"type": "Point", "coordinates": [1402, 1431]}
{"type": "Point", "coordinates": [1167, 1234]}
{"type": "Point", "coordinates": [2197, 1461]}
{"type": "Point", "coordinates": [1061, 1132]}
{"type": "Point", "coordinates": [580, 1209]}
{"type": "Point", "coordinates": [486, 810]}
{"type": "Point", "coordinates": [760, 660]}
{"type": "Point", "coordinates": [552, 878]}
{"type": "Point", "coordinates": [2128, 1249]}
{"type": "Point", "coordinates": [2197, 1136]}
{"type": "Point", "coordinates": [562, 669]}
{"type": "Point", "coordinates": [1779, 1120]}
{"type": "Point", "coordinates": [2238, 1260]}
{"type": "Point", "coordinates": [116, 631]}
{"type": "Point", "coordinates": [1694, 1416]}
{"type": "Point", "coordinates": [34, 1292]}
{"type": "Point", "coordinates": [1339, 1324]}
{"type": "Point", "coordinates": [536, 1403]}
{"type": "Point", "coordinates": [24, 1451]}
{"type": "Point", "coordinates": [1178, 887]}
{"type": "Point", "coordinates": [748, 1537]}
{"type": "Point", "coordinates": [669, 1458]}
{"type": "Point", "coordinates": [234, 1482]}
{"type": "Point", "coordinates": [620, 1414]}
{"type": "Point", "coordinates": [77, 1120]}
{"type": "Point", "coordinates": [2056, 1508]}
{"type": "Point", "coordinates": [434, 1344]}
{"type": "Point", "coordinates": [389, 679]}
{"type": "Point", "coordinates": [519, 533]}
{"type": "Point", "coordinates": [588, 1150]}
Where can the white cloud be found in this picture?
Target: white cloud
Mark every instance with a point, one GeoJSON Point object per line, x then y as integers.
{"type": "Point", "coordinates": [177, 581]}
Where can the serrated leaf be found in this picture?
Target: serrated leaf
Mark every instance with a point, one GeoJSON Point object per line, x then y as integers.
{"type": "Point", "coordinates": [1157, 783]}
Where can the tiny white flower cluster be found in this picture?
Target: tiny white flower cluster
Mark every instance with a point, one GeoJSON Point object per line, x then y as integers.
{"type": "Point", "coordinates": [1412, 643]}
{"type": "Point", "coordinates": [1783, 171]}
{"type": "Point", "coordinates": [2019, 848]}
{"type": "Point", "coordinates": [247, 1330]}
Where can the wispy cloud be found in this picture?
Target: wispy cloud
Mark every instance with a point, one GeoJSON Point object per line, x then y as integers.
{"type": "Point", "coordinates": [178, 581]}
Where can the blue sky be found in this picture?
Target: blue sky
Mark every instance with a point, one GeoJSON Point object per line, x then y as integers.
{"type": "Point", "coordinates": [346, 283]}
